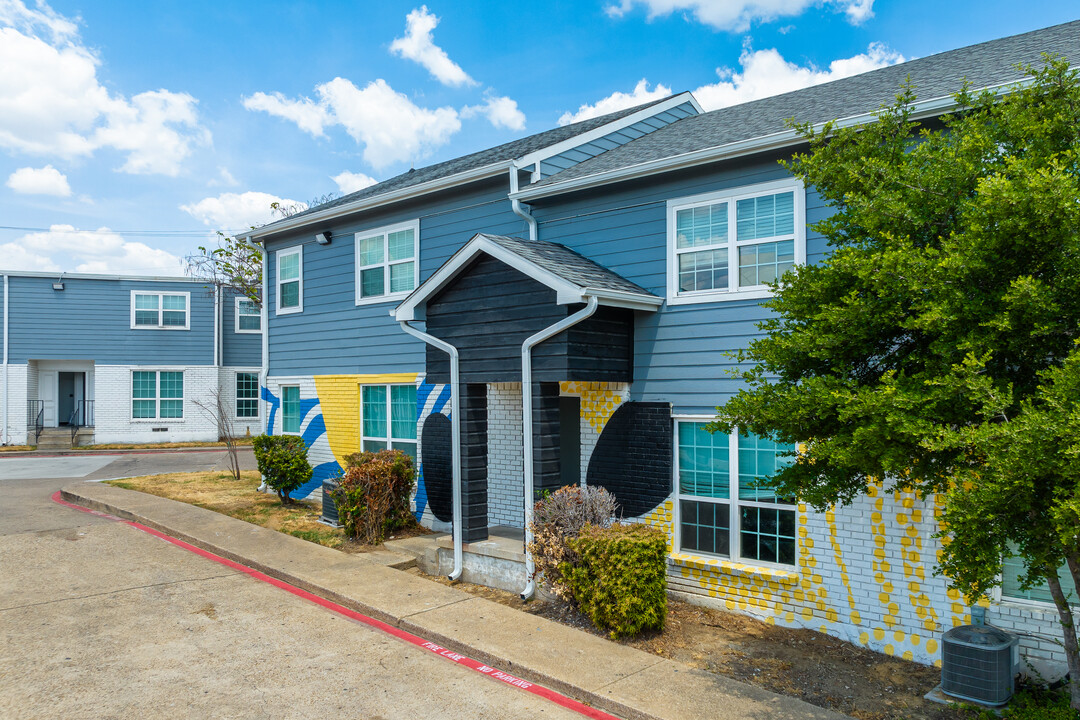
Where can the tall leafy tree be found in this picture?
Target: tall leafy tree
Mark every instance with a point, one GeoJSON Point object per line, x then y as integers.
{"type": "Point", "coordinates": [935, 348]}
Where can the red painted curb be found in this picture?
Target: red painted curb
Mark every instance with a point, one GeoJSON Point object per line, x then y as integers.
{"type": "Point", "coordinates": [538, 690]}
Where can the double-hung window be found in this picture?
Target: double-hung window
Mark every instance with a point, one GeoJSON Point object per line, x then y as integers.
{"type": "Point", "coordinates": [248, 316]}
{"type": "Point", "coordinates": [388, 418]}
{"type": "Point", "coordinates": [734, 243]}
{"type": "Point", "coordinates": [247, 395]}
{"type": "Point", "coordinates": [290, 409]}
{"type": "Point", "coordinates": [157, 394]}
{"type": "Point", "coordinates": [160, 310]}
{"type": "Point", "coordinates": [290, 280]}
{"type": "Point", "coordinates": [725, 506]}
{"type": "Point", "coordinates": [386, 266]}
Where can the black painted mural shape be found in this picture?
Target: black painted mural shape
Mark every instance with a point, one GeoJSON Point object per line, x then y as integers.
{"type": "Point", "coordinates": [435, 439]}
{"type": "Point", "coordinates": [632, 458]}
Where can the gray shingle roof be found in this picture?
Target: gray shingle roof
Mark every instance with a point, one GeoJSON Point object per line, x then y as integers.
{"type": "Point", "coordinates": [563, 262]}
{"type": "Point", "coordinates": [984, 65]}
{"type": "Point", "coordinates": [500, 153]}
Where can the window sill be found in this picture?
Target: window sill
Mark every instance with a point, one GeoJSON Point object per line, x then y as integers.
{"type": "Point", "coordinates": [288, 311]}
{"type": "Point", "coordinates": [376, 299]}
{"type": "Point", "coordinates": [159, 327]}
{"type": "Point", "coordinates": [157, 421]}
{"type": "Point", "coordinates": [727, 296]}
{"type": "Point", "coordinates": [730, 567]}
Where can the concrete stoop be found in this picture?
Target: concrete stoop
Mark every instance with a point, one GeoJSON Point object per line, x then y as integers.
{"type": "Point", "coordinates": [497, 562]}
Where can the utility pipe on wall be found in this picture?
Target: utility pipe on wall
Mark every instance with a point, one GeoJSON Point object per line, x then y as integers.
{"type": "Point", "coordinates": [527, 424]}
{"type": "Point", "coordinates": [217, 328]}
{"type": "Point", "coordinates": [455, 435]}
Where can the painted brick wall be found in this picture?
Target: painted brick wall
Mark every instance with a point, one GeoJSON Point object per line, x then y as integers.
{"type": "Point", "coordinates": [15, 401]}
{"type": "Point", "coordinates": [227, 386]}
{"type": "Point", "coordinates": [505, 473]}
{"type": "Point", "coordinates": [113, 422]}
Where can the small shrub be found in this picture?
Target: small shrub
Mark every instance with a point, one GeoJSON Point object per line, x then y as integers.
{"type": "Point", "coordinates": [558, 517]}
{"type": "Point", "coordinates": [620, 581]}
{"type": "Point", "coordinates": [372, 496]}
{"type": "Point", "coordinates": [283, 463]}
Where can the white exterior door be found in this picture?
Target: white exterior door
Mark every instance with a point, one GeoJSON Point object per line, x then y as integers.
{"type": "Point", "coordinates": [47, 388]}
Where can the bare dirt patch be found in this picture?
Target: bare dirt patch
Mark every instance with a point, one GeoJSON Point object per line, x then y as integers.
{"type": "Point", "coordinates": [809, 665]}
{"type": "Point", "coordinates": [242, 500]}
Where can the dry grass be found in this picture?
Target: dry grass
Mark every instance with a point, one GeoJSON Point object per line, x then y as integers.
{"type": "Point", "coordinates": [156, 446]}
{"type": "Point", "coordinates": [16, 448]}
{"type": "Point", "coordinates": [217, 491]}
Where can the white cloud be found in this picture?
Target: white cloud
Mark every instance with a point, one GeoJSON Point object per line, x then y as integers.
{"type": "Point", "coordinates": [418, 46]}
{"type": "Point", "coordinates": [224, 179]}
{"type": "Point", "coordinates": [233, 212]}
{"type": "Point", "coordinates": [766, 73]}
{"type": "Point", "coordinates": [39, 181]}
{"type": "Point", "coordinates": [390, 126]}
{"type": "Point", "coordinates": [52, 103]}
{"type": "Point", "coordinates": [737, 15]}
{"type": "Point", "coordinates": [350, 182]}
{"type": "Point", "coordinates": [500, 112]}
{"type": "Point", "coordinates": [64, 248]}
{"type": "Point", "coordinates": [640, 95]}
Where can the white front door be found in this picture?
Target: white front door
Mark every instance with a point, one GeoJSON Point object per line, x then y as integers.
{"type": "Point", "coordinates": [47, 389]}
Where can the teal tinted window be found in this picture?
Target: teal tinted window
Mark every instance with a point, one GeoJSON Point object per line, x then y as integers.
{"type": "Point", "coordinates": [403, 412]}
{"type": "Point", "coordinates": [764, 263]}
{"type": "Point", "coordinates": [1012, 569]}
{"type": "Point", "coordinates": [290, 409]}
{"type": "Point", "coordinates": [386, 263]}
{"type": "Point", "coordinates": [247, 315]}
{"type": "Point", "coordinates": [760, 459]}
{"type": "Point", "coordinates": [701, 226]}
{"type": "Point", "coordinates": [146, 309]}
{"type": "Point", "coordinates": [373, 408]}
{"type": "Point", "coordinates": [174, 310]}
{"type": "Point", "coordinates": [704, 469]}
{"type": "Point", "coordinates": [705, 270]}
{"type": "Point", "coordinates": [144, 394]}
{"type": "Point", "coordinates": [289, 280]}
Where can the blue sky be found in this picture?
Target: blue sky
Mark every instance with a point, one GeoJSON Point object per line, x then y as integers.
{"type": "Point", "coordinates": [129, 132]}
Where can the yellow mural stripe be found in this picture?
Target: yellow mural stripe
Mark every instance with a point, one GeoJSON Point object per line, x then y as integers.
{"type": "Point", "coordinates": [339, 398]}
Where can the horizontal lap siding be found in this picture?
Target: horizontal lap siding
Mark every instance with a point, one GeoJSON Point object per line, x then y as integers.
{"type": "Point", "coordinates": [333, 335]}
{"type": "Point", "coordinates": [680, 352]}
{"type": "Point", "coordinates": [91, 319]}
{"type": "Point", "coordinates": [237, 349]}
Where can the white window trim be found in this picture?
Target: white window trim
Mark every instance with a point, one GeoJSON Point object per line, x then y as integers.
{"type": "Point", "coordinates": [297, 250]}
{"type": "Point", "coordinates": [157, 395]}
{"type": "Point", "coordinates": [731, 196]}
{"type": "Point", "coordinates": [389, 440]}
{"type": "Point", "coordinates": [733, 503]}
{"type": "Point", "coordinates": [237, 398]}
{"type": "Point", "coordinates": [281, 389]}
{"type": "Point", "coordinates": [161, 303]}
{"type": "Point", "coordinates": [385, 231]}
{"type": "Point", "coordinates": [236, 319]}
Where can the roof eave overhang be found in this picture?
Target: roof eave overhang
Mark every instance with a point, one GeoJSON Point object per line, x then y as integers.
{"type": "Point", "coordinates": [566, 293]}
{"type": "Point", "coordinates": [370, 203]}
{"type": "Point", "coordinates": [763, 143]}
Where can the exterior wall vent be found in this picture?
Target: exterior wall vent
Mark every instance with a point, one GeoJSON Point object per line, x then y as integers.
{"type": "Point", "coordinates": [977, 664]}
{"type": "Point", "coordinates": [164, 429]}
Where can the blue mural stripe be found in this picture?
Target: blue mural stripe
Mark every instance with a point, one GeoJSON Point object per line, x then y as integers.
{"type": "Point", "coordinates": [421, 494]}
{"type": "Point", "coordinates": [315, 429]}
{"type": "Point", "coordinates": [268, 396]}
{"type": "Point", "coordinates": [422, 393]}
{"type": "Point", "coordinates": [440, 402]}
{"type": "Point", "coordinates": [324, 471]}
{"type": "Point", "coordinates": [306, 406]}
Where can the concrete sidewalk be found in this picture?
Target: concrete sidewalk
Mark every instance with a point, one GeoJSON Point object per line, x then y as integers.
{"type": "Point", "coordinates": [618, 679]}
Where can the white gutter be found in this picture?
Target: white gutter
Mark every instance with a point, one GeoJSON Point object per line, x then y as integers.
{"type": "Point", "coordinates": [374, 201]}
{"type": "Point", "coordinates": [527, 425]}
{"type": "Point", "coordinates": [516, 205]}
{"type": "Point", "coordinates": [455, 435]}
{"type": "Point", "coordinates": [5, 432]}
{"type": "Point", "coordinates": [774, 141]}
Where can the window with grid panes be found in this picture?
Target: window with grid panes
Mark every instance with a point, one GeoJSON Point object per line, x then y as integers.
{"type": "Point", "coordinates": [290, 409]}
{"type": "Point", "coordinates": [162, 311]}
{"type": "Point", "coordinates": [735, 241]}
{"type": "Point", "coordinates": [247, 395]}
{"type": "Point", "coordinates": [157, 394]}
{"type": "Point", "coordinates": [386, 262]}
{"type": "Point", "coordinates": [388, 418]}
{"type": "Point", "coordinates": [248, 316]}
{"type": "Point", "coordinates": [726, 507]}
{"type": "Point", "coordinates": [290, 280]}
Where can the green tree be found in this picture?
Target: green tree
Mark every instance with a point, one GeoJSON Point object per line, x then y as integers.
{"type": "Point", "coordinates": [935, 347]}
{"type": "Point", "coordinates": [234, 262]}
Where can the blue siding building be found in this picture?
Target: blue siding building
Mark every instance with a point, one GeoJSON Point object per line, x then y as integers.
{"type": "Point", "coordinates": [107, 359]}
{"type": "Point", "coordinates": [566, 305]}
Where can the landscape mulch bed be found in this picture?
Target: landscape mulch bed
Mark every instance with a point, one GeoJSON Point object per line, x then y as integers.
{"type": "Point", "coordinates": [815, 667]}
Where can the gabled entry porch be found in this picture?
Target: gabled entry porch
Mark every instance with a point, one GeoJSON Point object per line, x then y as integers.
{"type": "Point", "coordinates": [509, 324]}
{"type": "Point", "coordinates": [60, 403]}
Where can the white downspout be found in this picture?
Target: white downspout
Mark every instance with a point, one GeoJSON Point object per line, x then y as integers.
{"type": "Point", "coordinates": [527, 425]}
{"type": "Point", "coordinates": [517, 207]}
{"type": "Point", "coordinates": [455, 435]}
{"type": "Point", "coordinates": [264, 369]}
{"type": "Point", "coordinates": [5, 433]}
{"type": "Point", "coordinates": [217, 330]}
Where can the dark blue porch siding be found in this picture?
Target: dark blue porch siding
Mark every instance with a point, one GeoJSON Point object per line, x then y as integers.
{"type": "Point", "coordinates": [678, 351]}
{"type": "Point", "coordinates": [92, 319]}
{"type": "Point", "coordinates": [333, 335]}
{"type": "Point", "coordinates": [237, 349]}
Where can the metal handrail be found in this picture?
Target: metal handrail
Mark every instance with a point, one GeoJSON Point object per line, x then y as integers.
{"type": "Point", "coordinates": [35, 418]}
{"type": "Point", "coordinates": [82, 415]}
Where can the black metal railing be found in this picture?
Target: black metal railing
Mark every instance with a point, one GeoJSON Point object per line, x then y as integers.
{"type": "Point", "coordinates": [81, 416]}
{"type": "Point", "coordinates": [35, 418]}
